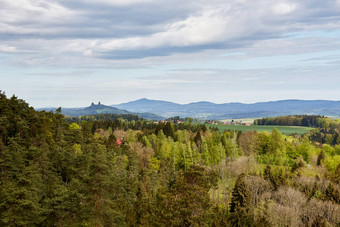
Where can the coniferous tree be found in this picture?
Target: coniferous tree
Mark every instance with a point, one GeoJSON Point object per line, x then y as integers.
{"type": "Point", "coordinates": [240, 207]}
{"type": "Point", "coordinates": [186, 202]}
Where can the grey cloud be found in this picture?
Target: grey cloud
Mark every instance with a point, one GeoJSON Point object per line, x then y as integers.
{"type": "Point", "coordinates": [88, 21]}
{"type": "Point", "coordinates": [135, 54]}
{"type": "Point", "coordinates": [68, 20]}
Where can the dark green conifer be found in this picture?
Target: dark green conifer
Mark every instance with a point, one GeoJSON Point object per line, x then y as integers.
{"type": "Point", "coordinates": [241, 211]}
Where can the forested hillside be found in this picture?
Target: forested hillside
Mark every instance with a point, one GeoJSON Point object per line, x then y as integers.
{"type": "Point", "coordinates": [133, 172]}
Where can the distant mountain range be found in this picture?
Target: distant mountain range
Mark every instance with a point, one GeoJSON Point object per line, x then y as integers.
{"type": "Point", "coordinates": [159, 110]}
{"type": "Point", "coordinates": [101, 109]}
{"type": "Point", "coordinates": [208, 110]}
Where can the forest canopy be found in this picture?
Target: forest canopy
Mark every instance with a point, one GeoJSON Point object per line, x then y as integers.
{"type": "Point", "coordinates": [127, 171]}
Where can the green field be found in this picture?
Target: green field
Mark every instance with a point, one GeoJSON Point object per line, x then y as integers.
{"type": "Point", "coordinates": [287, 130]}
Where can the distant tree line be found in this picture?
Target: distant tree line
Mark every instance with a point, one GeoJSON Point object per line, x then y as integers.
{"type": "Point", "coordinates": [104, 117]}
{"type": "Point", "coordinates": [292, 120]}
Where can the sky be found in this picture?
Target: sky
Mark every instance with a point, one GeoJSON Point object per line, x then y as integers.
{"type": "Point", "coordinates": [70, 53]}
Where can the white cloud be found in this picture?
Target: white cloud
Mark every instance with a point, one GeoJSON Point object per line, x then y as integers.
{"type": "Point", "coordinates": [179, 34]}
{"type": "Point", "coordinates": [33, 11]}
{"type": "Point", "coordinates": [7, 49]}
{"type": "Point", "coordinates": [205, 27]}
{"type": "Point", "coordinates": [283, 8]}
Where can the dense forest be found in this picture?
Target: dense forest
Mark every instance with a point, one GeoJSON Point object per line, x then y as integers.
{"type": "Point", "coordinates": [292, 120]}
{"type": "Point", "coordinates": [126, 171]}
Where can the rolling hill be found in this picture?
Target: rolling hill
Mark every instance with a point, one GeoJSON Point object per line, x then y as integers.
{"type": "Point", "coordinates": [209, 110]}
{"type": "Point", "coordinates": [101, 109]}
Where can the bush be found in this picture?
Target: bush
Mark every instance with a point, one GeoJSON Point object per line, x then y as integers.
{"type": "Point", "coordinates": [331, 163]}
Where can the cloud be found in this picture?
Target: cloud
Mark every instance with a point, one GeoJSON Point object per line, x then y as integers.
{"type": "Point", "coordinates": [7, 49]}
{"type": "Point", "coordinates": [211, 28]}
{"type": "Point", "coordinates": [30, 15]}
{"type": "Point", "coordinates": [283, 8]}
{"type": "Point", "coordinates": [119, 50]}
{"type": "Point", "coordinates": [226, 25]}
{"type": "Point", "coordinates": [135, 29]}
{"type": "Point", "coordinates": [178, 34]}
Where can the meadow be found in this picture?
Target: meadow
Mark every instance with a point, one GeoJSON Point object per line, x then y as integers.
{"type": "Point", "coordinates": [287, 130]}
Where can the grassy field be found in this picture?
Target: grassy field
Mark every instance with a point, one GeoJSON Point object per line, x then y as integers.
{"type": "Point", "coordinates": [287, 130]}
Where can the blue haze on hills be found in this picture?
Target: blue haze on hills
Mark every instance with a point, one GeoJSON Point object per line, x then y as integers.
{"type": "Point", "coordinates": [208, 110]}
{"type": "Point", "coordinates": [101, 109]}
{"type": "Point", "coordinates": [159, 110]}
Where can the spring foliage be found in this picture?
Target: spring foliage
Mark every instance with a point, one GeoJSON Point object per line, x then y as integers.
{"type": "Point", "coordinates": [74, 173]}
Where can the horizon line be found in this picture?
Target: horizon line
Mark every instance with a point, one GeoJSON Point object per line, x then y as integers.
{"type": "Point", "coordinates": [159, 100]}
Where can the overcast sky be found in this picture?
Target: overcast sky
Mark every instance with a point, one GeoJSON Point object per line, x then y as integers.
{"type": "Point", "coordinates": [73, 52]}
